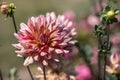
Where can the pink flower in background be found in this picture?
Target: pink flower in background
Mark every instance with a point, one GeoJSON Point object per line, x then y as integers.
{"type": "Point", "coordinates": [87, 23]}
{"type": "Point", "coordinates": [115, 39]}
{"type": "Point", "coordinates": [70, 15]}
{"type": "Point", "coordinates": [93, 20]}
{"type": "Point", "coordinates": [83, 73]}
{"type": "Point", "coordinates": [45, 39]}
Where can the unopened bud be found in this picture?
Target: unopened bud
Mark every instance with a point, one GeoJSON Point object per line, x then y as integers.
{"type": "Point", "coordinates": [11, 5]}
{"type": "Point", "coordinates": [4, 9]}
{"type": "Point", "coordinates": [7, 9]}
{"type": "Point", "coordinates": [110, 14]}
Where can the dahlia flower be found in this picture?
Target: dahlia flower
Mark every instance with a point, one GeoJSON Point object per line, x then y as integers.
{"type": "Point", "coordinates": [114, 68]}
{"type": "Point", "coordinates": [45, 39]}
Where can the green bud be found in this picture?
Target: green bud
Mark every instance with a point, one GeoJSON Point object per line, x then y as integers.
{"type": "Point", "coordinates": [11, 5]}
{"type": "Point", "coordinates": [110, 14]}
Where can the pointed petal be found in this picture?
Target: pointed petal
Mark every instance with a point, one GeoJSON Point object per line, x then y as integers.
{"type": "Point", "coordinates": [28, 60]}
{"type": "Point", "coordinates": [114, 58]}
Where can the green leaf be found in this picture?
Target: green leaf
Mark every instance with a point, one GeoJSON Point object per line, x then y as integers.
{"type": "Point", "coordinates": [117, 11]}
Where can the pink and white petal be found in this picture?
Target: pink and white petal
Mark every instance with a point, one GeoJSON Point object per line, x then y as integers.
{"type": "Point", "coordinates": [50, 49]}
{"type": "Point", "coordinates": [73, 42]}
{"type": "Point", "coordinates": [44, 62]}
{"type": "Point", "coordinates": [36, 58]}
{"type": "Point", "coordinates": [58, 51]}
{"type": "Point", "coordinates": [63, 44]}
{"type": "Point", "coordinates": [114, 58]}
{"type": "Point", "coordinates": [66, 51]}
{"type": "Point", "coordinates": [18, 46]}
{"type": "Point", "coordinates": [56, 60]}
{"type": "Point", "coordinates": [43, 53]}
{"type": "Point", "coordinates": [28, 60]}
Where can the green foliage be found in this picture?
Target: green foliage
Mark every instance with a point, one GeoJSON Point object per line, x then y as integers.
{"type": "Point", "coordinates": [13, 74]}
{"type": "Point", "coordinates": [99, 31]}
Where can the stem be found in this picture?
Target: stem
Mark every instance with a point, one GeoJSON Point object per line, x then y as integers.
{"type": "Point", "coordinates": [1, 77]}
{"type": "Point", "coordinates": [15, 27]}
{"type": "Point", "coordinates": [105, 54]}
{"type": "Point", "coordinates": [14, 23]}
{"type": "Point", "coordinates": [99, 47]}
{"type": "Point", "coordinates": [105, 58]}
{"type": "Point", "coordinates": [44, 73]}
{"type": "Point", "coordinates": [99, 57]}
{"type": "Point", "coordinates": [118, 77]}
{"type": "Point", "coordinates": [28, 68]}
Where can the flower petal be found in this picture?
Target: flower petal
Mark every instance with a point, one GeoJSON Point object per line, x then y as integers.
{"type": "Point", "coordinates": [28, 61]}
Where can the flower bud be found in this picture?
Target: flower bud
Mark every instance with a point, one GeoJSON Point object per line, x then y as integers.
{"type": "Point", "coordinates": [7, 9]}
{"type": "Point", "coordinates": [110, 14]}
{"type": "Point", "coordinates": [4, 8]}
{"type": "Point", "coordinates": [11, 5]}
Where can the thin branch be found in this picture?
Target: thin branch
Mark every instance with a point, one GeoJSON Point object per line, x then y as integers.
{"type": "Point", "coordinates": [15, 27]}
{"type": "Point", "coordinates": [14, 23]}
{"type": "Point", "coordinates": [99, 57]}
{"type": "Point", "coordinates": [28, 68]}
{"type": "Point", "coordinates": [105, 54]}
{"type": "Point", "coordinates": [44, 73]}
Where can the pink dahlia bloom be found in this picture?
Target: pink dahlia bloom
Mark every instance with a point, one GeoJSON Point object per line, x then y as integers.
{"type": "Point", "coordinates": [83, 73]}
{"type": "Point", "coordinates": [45, 39]}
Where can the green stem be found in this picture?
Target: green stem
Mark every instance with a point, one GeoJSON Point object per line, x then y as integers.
{"type": "Point", "coordinates": [99, 61]}
{"type": "Point", "coordinates": [105, 58]}
{"type": "Point", "coordinates": [14, 23]}
{"type": "Point", "coordinates": [99, 47]}
{"type": "Point", "coordinates": [118, 77]}
{"type": "Point", "coordinates": [15, 27]}
{"type": "Point", "coordinates": [44, 73]}
{"type": "Point", "coordinates": [105, 54]}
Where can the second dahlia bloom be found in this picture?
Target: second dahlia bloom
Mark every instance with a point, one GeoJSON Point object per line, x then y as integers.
{"type": "Point", "coordinates": [114, 68]}
{"type": "Point", "coordinates": [45, 39]}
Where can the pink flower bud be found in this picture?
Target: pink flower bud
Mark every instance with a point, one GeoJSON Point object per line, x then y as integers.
{"type": "Point", "coordinates": [4, 9]}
